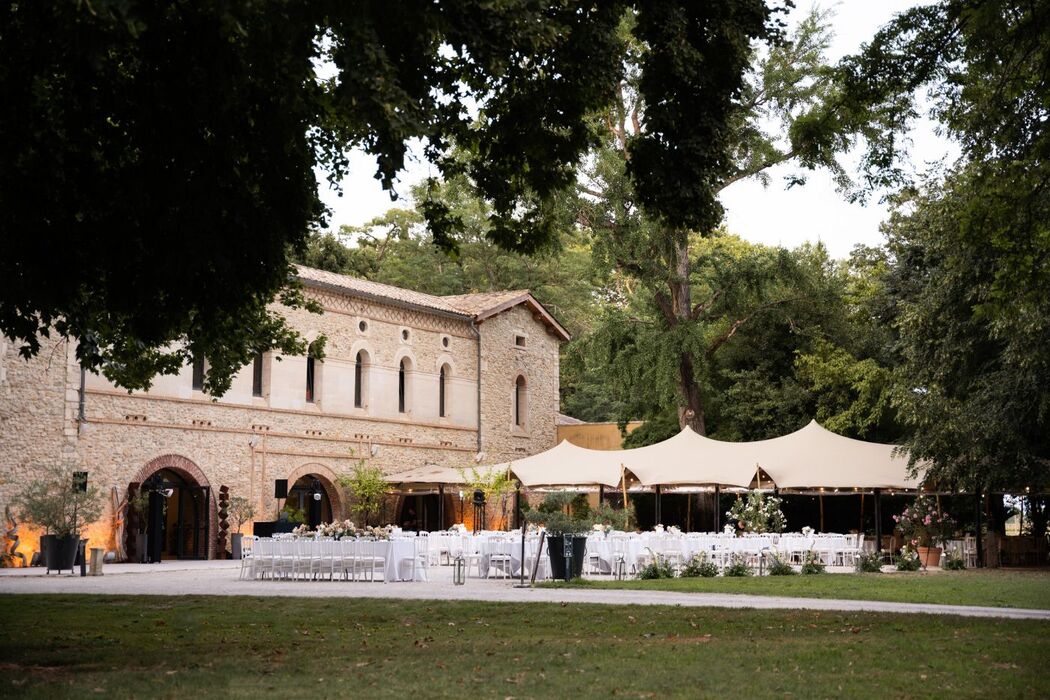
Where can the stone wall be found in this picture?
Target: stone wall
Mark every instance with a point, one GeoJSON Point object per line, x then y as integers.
{"type": "Point", "coordinates": [245, 442]}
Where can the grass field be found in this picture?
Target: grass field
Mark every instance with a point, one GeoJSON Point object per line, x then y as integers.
{"type": "Point", "coordinates": [990, 587]}
{"type": "Point", "coordinates": [64, 646]}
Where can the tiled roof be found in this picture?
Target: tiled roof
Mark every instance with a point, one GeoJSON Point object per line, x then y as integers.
{"type": "Point", "coordinates": [475, 304]}
{"type": "Point", "coordinates": [467, 306]}
{"type": "Point", "coordinates": [360, 287]}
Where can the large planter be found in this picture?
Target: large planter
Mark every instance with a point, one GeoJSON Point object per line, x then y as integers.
{"type": "Point", "coordinates": [556, 550]}
{"type": "Point", "coordinates": [930, 557]}
{"type": "Point", "coordinates": [235, 545]}
{"type": "Point", "coordinates": [60, 553]}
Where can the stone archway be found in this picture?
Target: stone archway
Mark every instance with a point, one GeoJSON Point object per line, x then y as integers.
{"type": "Point", "coordinates": [329, 481]}
{"type": "Point", "coordinates": [189, 471]}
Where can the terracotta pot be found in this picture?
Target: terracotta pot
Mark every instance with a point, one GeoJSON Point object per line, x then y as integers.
{"type": "Point", "coordinates": [930, 557]}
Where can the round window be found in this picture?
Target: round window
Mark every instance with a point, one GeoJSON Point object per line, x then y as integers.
{"type": "Point", "coordinates": [362, 326]}
{"type": "Point", "coordinates": [404, 334]}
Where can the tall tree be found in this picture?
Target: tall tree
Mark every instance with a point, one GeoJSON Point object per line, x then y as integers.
{"type": "Point", "coordinates": [971, 245]}
{"type": "Point", "coordinates": [159, 157]}
{"type": "Point", "coordinates": [689, 317]}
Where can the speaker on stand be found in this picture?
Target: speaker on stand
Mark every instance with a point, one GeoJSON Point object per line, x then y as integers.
{"type": "Point", "coordinates": [479, 510]}
{"type": "Point", "coordinates": [280, 490]}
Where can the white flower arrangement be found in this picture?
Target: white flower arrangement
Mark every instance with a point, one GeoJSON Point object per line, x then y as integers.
{"type": "Point", "coordinates": [460, 528]}
{"type": "Point", "coordinates": [658, 528]}
{"type": "Point", "coordinates": [674, 530]}
{"type": "Point", "coordinates": [729, 529]}
{"type": "Point", "coordinates": [807, 531]}
{"type": "Point", "coordinates": [301, 530]}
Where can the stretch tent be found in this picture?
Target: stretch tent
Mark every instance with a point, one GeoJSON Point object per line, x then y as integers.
{"type": "Point", "coordinates": [688, 459]}
{"type": "Point", "coordinates": [810, 458]}
{"type": "Point", "coordinates": [568, 465]}
{"type": "Point", "coordinates": [436, 474]}
{"type": "Point", "coordinates": [815, 457]}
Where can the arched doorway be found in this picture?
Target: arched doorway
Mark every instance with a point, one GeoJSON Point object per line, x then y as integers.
{"type": "Point", "coordinates": [179, 514]}
{"type": "Point", "coordinates": [308, 498]}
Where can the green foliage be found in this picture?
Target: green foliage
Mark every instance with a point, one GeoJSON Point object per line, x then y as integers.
{"type": "Point", "coordinates": [51, 502]}
{"type": "Point", "coordinates": [969, 241]}
{"type": "Point", "coordinates": [612, 518]}
{"type": "Point", "coordinates": [758, 512]}
{"type": "Point", "coordinates": [293, 514]}
{"type": "Point", "coordinates": [241, 511]}
{"type": "Point", "coordinates": [737, 566]}
{"type": "Point", "coordinates": [657, 568]}
{"type": "Point", "coordinates": [369, 487]}
{"type": "Point", "coordinates": [551, 513]}
{"type": "Point", "coordinates": [953, 560]}
{"type": "Point", "coordinates": [869, 562]}
{"type": "Point", "coordinates": [699, 566]}
{"type": "Point", "coordinates": [908, 559]}
{"type": "Point", "coordinates": [778, 566]}
{"type": "Point", "coordinates": [924, 523]}
{"type": "Point", "coordinates": [150, 239]}
{"type": "Point", "coordinates": [811, 564]}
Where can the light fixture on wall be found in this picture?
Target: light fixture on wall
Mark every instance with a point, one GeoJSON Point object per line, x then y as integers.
{"type": "Point", "coordinates": [375, 450]}
{"type": "Point", "coordinates": [253, 441]}
{"type": "Point", "coordinates": [478, 457]}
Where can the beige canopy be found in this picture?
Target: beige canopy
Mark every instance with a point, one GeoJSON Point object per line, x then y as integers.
{"type": "Point", "coordinates": [815, 457]}
{"type": "Point", "coordinates": [688, 459]}
{"type": "Point", "coordinates": [810, 458]}
{"type": "Point", "coordinates": [567, 465]}
{"type": "Point", "coordinates": [427, 474]}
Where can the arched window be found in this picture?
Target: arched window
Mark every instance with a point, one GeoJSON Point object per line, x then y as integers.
{"type": "Point", "coordinates": [404, 372]}
{"type": "Point", "coordinates": [443, 391]}
{"type": "Point", "coordinates": [520, 402]}
{"type": "Point", "coordinates": [311, 368]}
{"type": "Point", "coordinates": [360, 378]}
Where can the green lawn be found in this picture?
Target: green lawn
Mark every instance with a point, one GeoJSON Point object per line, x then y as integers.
{"type": "Point", "coordinates": [996, 588]}
{"type": "Point", "coordinates": [64, 646]}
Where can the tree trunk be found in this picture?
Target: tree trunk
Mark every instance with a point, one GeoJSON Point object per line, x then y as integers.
{"type": "Point", "coordinates": [690, 407]}
{"type": "Point", "coordinates": [691, 410]}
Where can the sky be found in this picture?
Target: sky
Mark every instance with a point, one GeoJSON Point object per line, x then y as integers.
{"type": "Point", "coordinates": [771, 215]}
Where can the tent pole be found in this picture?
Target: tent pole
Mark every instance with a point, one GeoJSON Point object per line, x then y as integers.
{"type": "Point", "coordinates": [688, 512]}
{"type": "Point", "coordinates": [601, 494]}
{"type": "Point", "coordinates": [718, 506]}
{"type": "Point", "coordinates": [977, 528]}
{"type": "Point", "coordinates": [659, 502]}
{"type": "Point", "coordinates": [623, 484]}
{"type": "Point", "coordinates": [822, 512]}
{"type": "Point", "coordinates": [878, 522]}
{"type": "Point", "coordinates": [860, 529]}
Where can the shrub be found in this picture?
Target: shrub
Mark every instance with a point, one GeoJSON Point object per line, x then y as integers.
{"type": "Point", "coordinates": [908, 560]}
{"type": "Point", "coordinates": [700, 566]}
{"type": "Point", "coordinates": [870, 562]}
{"type": "Point", "coordinates": [657, 568]}
{"type": "Point", "coordinates": [737, 567]}
{"type": "Point", "coordinates": [953, 560]}
{"type": "Point", "coordinates": [812, 564]}
{"type": "Point", "coordinates": [779, 567]}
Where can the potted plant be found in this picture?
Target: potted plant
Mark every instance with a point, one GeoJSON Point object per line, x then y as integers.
{"type": "Point", "coordinates": [369, 488]}
{"type": "Point", "coordinates": [61, 506]}
{"type": "Point", "coordinates": [241, 512]}
{"type": "Point", "coordinates": [758, 513]}
{"type": "Point", "coordinates": [562, 522]}
{"type": "Point", "coordinates": [926, 527]}
{"type": "Point", "coordinates": [139, 504]}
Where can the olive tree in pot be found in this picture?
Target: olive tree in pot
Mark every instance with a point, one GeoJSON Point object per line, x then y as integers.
{"type": "Point", "coordinates": [564, 517]}
{"type": "Point", "coordinates": [61, 505]}
{"type": "Point", "coordinates": [241, 512]}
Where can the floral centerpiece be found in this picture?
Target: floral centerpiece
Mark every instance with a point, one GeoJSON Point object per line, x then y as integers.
{"type": "Point", "coordinates": [925, 527]}
{"type": "Point", "coordinates": [757, 513]}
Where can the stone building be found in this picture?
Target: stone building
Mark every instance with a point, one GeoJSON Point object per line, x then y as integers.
{"type": "Point", "coordinates": [407, 379]}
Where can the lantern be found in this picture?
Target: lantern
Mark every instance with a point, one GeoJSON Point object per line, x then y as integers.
{"type": "Point", "coordinates": [620, 569]}
{"type": "Point", "coordinates": [567, 551]}
{"type": "Point", "coordinates": [459, 570]}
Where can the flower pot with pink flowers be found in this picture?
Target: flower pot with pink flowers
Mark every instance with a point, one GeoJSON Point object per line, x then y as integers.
{"type": "Point", "coordinates": [925, 528]}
